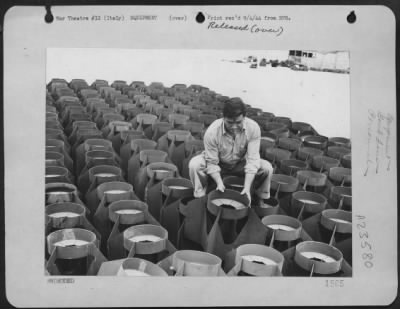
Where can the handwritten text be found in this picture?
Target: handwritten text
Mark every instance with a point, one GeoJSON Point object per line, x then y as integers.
{"type": "Point", "coordinates": [378, 141]}
{"type": "Point", "coordinates": [254, 28]}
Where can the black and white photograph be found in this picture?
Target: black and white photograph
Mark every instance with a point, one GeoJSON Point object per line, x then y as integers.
{"type": "Point", "coordinates": [198, 163]}
{"type": "Point", "coordinates": [200, 156]}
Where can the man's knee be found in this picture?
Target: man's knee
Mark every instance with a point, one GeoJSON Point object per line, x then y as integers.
{"type": "Point", "coordinates": [266, 167]}
{"type": "Point", "coordinates": [197, 163]}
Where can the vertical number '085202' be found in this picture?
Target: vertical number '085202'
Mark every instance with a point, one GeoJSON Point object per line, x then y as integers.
{"type": "Point", "coordinates": [367, 254]}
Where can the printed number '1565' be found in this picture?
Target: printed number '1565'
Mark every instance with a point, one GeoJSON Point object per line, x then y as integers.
{"type": "Point", "coordinates": [334, 283]}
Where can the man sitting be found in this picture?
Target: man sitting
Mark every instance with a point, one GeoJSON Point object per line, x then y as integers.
{"type": "Point", "coordinates": [232, 147]}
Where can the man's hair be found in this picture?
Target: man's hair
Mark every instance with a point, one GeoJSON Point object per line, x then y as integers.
{"type": "Point", "coordinates": [233, 109]}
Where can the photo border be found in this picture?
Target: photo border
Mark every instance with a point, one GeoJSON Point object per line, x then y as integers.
{"type": "Point", "coordinates": [22, 53]}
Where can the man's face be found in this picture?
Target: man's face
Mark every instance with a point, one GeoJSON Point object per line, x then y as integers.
{"type": "Point", "coordinates": [234, 125]}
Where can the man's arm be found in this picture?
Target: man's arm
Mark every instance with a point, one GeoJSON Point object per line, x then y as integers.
{"type": "Point", "coordinates": [212, 158]}
{"type": "Point", "coordinates": [218, 180]}
{"type": "Point", "coordinates": [253, 151]}
{"type": "Point", "coordinates": [252, 160]}
{"type": "Point", "coordinates": [248, 180]}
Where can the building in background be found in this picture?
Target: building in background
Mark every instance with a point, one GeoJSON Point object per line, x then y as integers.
{"type": "Point", "coordinates": [333, 61]}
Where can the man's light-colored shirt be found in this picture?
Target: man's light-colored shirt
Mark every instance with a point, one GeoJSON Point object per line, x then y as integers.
{"type": "Point", "coordinates": [222, 149]}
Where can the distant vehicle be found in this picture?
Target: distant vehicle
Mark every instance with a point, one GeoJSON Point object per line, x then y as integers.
{"type": "Point", "coordinates": [299, 67]}
{"type": "Point", "coordinates": [263, 62]}
{"type": "Point", "coordinates": [253, 64]}
{"type": "Point", "coordinates": [284, 64]}
{"type": "Point", "coordinates": [274, 63]}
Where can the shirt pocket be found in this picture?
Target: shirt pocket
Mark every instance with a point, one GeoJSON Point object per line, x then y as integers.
{"type": "Point", "coordinates": [242, 149]}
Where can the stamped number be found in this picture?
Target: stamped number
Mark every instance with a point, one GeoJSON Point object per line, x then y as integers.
{"type": "Point", "coordinates": [367, 253]}
{"type": "Point", "coordinates": [334, 283]}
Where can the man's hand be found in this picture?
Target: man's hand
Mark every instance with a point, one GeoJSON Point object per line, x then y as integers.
{"type": "Point", "coordinates": [247, 192]}
{"type": "Point", "coordinates": [221, 186]}
{"type": "Point", "coordinates": [248, 181]}
{"type": "Point", "coordinates": [218, 180]}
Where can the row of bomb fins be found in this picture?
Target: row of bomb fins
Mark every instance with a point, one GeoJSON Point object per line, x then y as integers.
{"type": "Point", "coordinates": [290, 155]}
{"type": "Point", "coordinates": [282, 138]}
{"type": "Point", "coordinates": [72, 117]}
{"type": "Point", "coordinates": [285, 145]}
